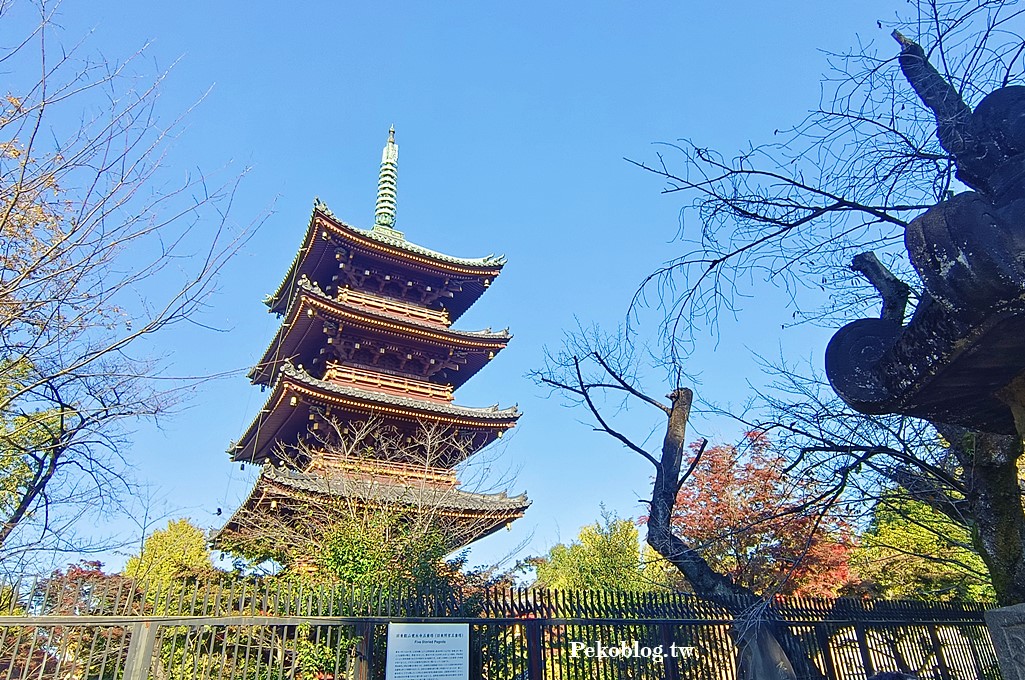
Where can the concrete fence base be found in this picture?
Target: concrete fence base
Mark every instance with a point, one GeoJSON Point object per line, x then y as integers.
{"type": "Point", "coordinates": [1007, 628]}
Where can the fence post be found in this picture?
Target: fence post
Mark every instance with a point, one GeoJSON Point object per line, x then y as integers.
{"type": "Point", "coordinates": [667, 640]}
{"type": "Point", "coordinates": [866, 655]}
{"type": "Point", "coordinates": [140, 650]}
{"type": "Point", "coordinates": [827, 652]}
{"type": "Point", "coordinates": [938, 646]}
{"type": "Point", "coordinates": [476, 657]}
{"type": "Point", "coordinates": [364, 650]}
{"type": "Point", "coordinates": [535, 662]}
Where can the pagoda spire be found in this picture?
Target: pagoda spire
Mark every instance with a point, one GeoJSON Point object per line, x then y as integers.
{"type": "Point", "coordinates": [384, 215]}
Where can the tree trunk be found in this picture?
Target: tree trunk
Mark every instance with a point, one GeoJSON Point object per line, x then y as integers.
{"type": "Point", "coordinates": [999, 530]}
{"type": "Point", "coordinates": [996, 498]}
{"type": "Point", "coordinates": [708, 583]}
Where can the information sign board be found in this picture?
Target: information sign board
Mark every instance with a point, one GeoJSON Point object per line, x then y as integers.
{"type": "Point", "coordinates": [428, 651]}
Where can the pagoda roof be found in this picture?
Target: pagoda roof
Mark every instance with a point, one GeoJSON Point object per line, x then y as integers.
{"type": "Point", "coordinates": [296, 326]}
{"type": "Point", "coordinates": [482, 513]}
{"type": "Point", "coordinates": [278, 415]}
{"type": "Point", "coordinates": [429, 407]}
{"type": "Point", "coordinates": [392, 239]}
{"type": "Point", "coordinates": [386, 244]}
{"type": "Point", "coordinates": [393, 493]}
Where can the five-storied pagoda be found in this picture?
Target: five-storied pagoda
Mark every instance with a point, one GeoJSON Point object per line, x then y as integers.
{"type": "Point", "coordinates": [367, 338]}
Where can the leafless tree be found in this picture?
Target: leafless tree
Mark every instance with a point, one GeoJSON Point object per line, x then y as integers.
{"type": "Point", "coordinates": [846, 180]}
{"type": "Point", "coordinates": [101, 249]}
{"type": "Point", "coordinates": [824, 209]}
{"type": "Point", "coordinates": [600, 372]}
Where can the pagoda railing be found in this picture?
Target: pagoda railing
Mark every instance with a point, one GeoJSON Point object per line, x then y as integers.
{"type": "Point", "coordinates": [392, 384]}
{"type": "Point", "coordinates": [328, 462]}
{"type": "Point", "coordinates": [392, 306]}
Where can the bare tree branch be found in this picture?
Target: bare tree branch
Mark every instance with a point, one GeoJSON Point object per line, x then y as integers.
{"type": "Point", "coordinates": [98, 252]}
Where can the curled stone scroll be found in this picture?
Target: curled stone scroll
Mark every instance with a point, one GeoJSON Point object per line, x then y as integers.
{"type": "Point", "coordinates": [954, 361]}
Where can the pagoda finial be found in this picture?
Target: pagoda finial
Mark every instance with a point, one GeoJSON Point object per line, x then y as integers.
{"type": "Point", "coordinates": [384, 215]}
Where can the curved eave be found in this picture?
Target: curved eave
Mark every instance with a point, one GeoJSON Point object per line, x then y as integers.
{"type": "Point", "coordinates": [316, 251]}
{"type": "Point", "coordinates": [401, 249]}
{"type": "Point", "coordinates": [479, 514]}
{"type": "Point", "coordinates": [298, 324]}
{"type": "Point", "coordinates": [280, 421]}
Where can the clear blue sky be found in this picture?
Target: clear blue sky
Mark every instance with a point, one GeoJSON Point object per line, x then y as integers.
{"type": "Point", "coordinates": [513, 120]}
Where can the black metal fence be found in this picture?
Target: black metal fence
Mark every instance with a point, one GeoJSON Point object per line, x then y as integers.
{"type": "Point", "coordinates": [116, 629]}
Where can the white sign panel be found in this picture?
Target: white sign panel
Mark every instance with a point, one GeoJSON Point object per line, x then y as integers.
{"type": "Point", "coordinates": [428, 651]}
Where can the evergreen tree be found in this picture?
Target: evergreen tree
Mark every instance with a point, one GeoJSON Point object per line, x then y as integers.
{"type": "Point", "coordinates": [178, 552]}
{"type": "Point", "coordinates": [605, 556]}
{"type": "Point", "coordinates": [910, 551]}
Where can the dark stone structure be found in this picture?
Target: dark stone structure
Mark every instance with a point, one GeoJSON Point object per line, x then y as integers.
{"type": "Point", "coordinates": [954, 361]}
{"type": "Point", "coordinates": [1007, 628]}
{"type": "Point", "coordinates": [960, 360]}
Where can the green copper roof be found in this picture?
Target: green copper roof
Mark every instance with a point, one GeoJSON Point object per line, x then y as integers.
{"type": "Point", "coordinates": [271, 354]}
{"type": "Point", "coordinates": [395, 239]}
{"type": "Point", "coordinates": [501, 507]}
{"type": "Point", "coordinates": [387, 189]}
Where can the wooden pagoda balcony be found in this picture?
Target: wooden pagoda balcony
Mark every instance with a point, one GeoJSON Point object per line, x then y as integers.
{"type": "Point", "coordinates": [392, 306]}
{"type": "Point", "coordinates": [392, 384]}
{"type": "Point", "coordinates": [332, 464]}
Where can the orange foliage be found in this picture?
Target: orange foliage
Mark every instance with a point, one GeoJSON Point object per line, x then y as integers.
{"type": "Point", "coordinates": [755, 524]}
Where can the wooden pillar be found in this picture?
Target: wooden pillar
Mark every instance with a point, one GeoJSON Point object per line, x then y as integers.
{"type": "Point", "coordinates": [140, 651]}
{"type": "Point", "coordinates": [941, 661]}
{"type": "Point", "coordinates": [827, 653]}
{"type": "Point", "coordinates": [476, 657]}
